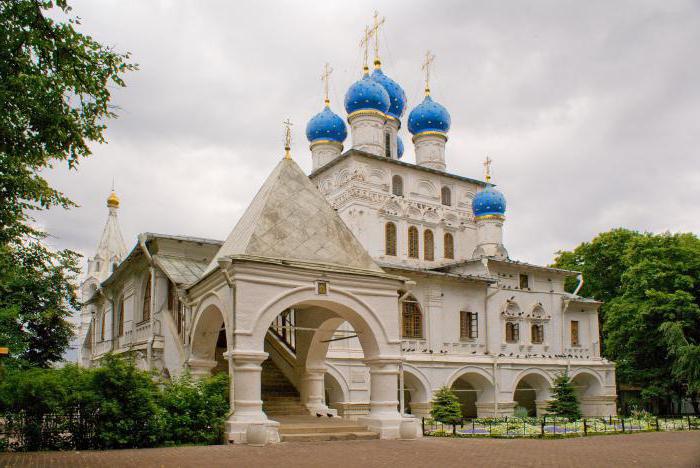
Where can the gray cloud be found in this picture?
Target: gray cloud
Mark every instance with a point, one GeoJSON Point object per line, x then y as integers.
{"type": "Point", "coordinates": [590, 110]}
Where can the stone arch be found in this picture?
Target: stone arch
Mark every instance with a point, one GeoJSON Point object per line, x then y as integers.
{"type": "Point", "coordinates": [532, 389]}
{"type": "Point", "coordinates": [206, 348]}
{"type": "Point", "coordinates": [475, 390]}
{"type": "Point", "coordinates": [587, 383]}
{"type": "Point", "coordinates": [373, 334]}
{"type": "Point", "coordinates": [337, 388]}
{"type": "Point", "coordinates": [417, 393]}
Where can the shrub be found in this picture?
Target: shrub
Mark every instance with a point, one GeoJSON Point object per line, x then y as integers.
{"type": "Point", "coordinates": [194, 411]}
{"type": "Point", "coordinates": [112, 406]}
{"type": "Point", "coordinates": [446, 407]}
{"type": "Point", "coordinates": [520, 412]}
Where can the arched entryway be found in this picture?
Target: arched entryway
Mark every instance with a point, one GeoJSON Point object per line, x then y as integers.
{"type": "Point", "coordinates": [208, 342]}
{"type": "Point", "coordinates": [475, 393]}
{"type": "Point", "coordinates": [317, 318]}
{"type": "Point", "coordinates": [416, 392]}
{"type": "Point", "coordinates": [532, 392]}
{"type": "Point", "coordinates": [589, 391]}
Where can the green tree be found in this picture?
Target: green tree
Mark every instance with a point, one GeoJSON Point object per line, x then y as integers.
{"type": "Point", "coordinates": [602, 264]}
{"type": "Point", "coordinates": [564, 402]}
{"type": "Point", "coordinates": [54, 101]}
{"type": "Point", "coordinates": [651, 318]}
{"type": "Point", "coordinates": [446, 408]}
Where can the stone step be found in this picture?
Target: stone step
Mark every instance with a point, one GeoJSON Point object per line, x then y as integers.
{"type": "Point", "coordinates": [320, 429]}
{"type": "Point", "coordinates": [328, 436]}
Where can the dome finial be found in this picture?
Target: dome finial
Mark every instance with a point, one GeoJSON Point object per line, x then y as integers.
{"type": "Point", "coordinates": [365, 44]}
{"type": "Point", "coordinates": [113, 200]}
{"type": "Point", "coordinates": [287, 138]}
{"type": "Point", "coordinates": [325, 76]}
{"type": "Point", "coordinates": [487, 168]}
{"type": "Point", "coordinates": [426, 67]}
{"type": "Point", "coordinates": [378, 22]}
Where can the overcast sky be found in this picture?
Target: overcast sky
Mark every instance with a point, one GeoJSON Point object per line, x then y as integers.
{"type": "Point", "coordinates": [589, 109]}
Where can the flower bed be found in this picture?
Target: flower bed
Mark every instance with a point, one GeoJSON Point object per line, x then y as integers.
{"type": "Point", "coordinates": [556, 427]}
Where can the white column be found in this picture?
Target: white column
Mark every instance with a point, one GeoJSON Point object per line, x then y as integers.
{"type": "Point", "coordinates": [323, 152]}
{"type": "Point", "coordinates": [247, 370]}
{"type": "Point", "coordinates": [200, 368]}
{"type": "Point", "coordinates": [489, 237]}
{"type": "Point", "coordinates": [383, 417]}
{"type": "Point", "coordinates": [312, 391]}
{"type": "Point", "coordinates": [430, 150]}
{"type": "Point", "coordinates": [392, 127]}
{"type": "Point", "coordinates": [367, 131]}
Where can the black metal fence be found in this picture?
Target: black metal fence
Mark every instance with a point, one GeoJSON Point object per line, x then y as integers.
{"type": "Point", "coordinates": [24, 431]}
{"type": "Point", "coordinates": [551, 426]}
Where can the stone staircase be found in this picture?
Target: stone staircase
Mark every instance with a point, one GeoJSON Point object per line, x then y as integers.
{"type": "Point", "coordinates": [281, 403]}
{"type": "Point", "coordinates": [278, 394]}
{"type": "Point", "coordinates": [314, 429]}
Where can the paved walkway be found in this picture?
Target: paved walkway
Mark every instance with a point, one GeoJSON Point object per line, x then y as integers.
{"type": "Point", "coordinates": [651, 449]}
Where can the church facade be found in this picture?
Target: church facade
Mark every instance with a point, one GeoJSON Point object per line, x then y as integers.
{"type": "Point", "coordinates": [356, 291]}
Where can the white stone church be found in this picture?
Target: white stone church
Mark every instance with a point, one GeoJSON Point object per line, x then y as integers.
{"type": "Point", "coordinates": [356, 291]}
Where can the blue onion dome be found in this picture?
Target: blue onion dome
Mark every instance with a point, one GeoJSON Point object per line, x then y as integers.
{"type": "Point", "coordinates": [326, 125]}
{"type": "Point", "coordinates": [397, 96]}
{"type": "Point", "coordinates": [399, 147]}
{"type": "Point", "coordinates": [429, 116]}
{"type": "Point", "coordinates": [366, 94]}
{"type": "Point", "coordinates": [489, 202]}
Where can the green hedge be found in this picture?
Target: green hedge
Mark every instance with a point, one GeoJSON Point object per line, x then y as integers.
{"type": "Point", "coordinates": [112, 406]}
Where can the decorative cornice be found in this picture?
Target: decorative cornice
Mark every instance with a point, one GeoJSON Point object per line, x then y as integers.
{"type": "Point", "coordinates": [367, 112]}
{"type": "Point", "coordinates": [490, 216]}
{"type": "Point", "coordinates": [337, 144]}
{"type": "Point", "coordinates": [429, 133]}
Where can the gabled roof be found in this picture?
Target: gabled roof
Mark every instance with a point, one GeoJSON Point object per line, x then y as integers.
{"type": "Point", "coordinates": [290, 219]}
{"type": "Point", "coordinates": [515, 263]}
{"type": "Point", "coordinates": [396, 162]}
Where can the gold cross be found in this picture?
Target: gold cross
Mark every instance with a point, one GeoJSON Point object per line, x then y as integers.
{"type": "Point", "coordinates": [487, 168]}
{"type": "Point", "coordinates": [365, 43]}
{"type": "Point", "coordinates": [426, 66]}
{"type": "Point", "coordinates": [287, 138]}
{"type": "Point", "coordinates": [375, 30]}
{"type": "Point", "coordinates": [327, 70]}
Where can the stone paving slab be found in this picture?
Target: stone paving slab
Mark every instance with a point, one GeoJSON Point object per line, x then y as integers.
{"type": "Point", "coordinates": [664, 449]}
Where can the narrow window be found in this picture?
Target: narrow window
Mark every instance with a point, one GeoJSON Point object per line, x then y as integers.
{"type": "Point", "coordinates": [574, 333]}
{"type": "Point", "coordinates": [147, 301]}
{"type": "Point", "coordinates": [390, 239]}
{"type": "Point", "coordinates": [537, 332]}
{"type": "Point", "coordinates": [412, 319]}
{"type": "Point", "coordinates": [449, 246]}
{"type": "Point", "coordinates": [102, 326]}
{"type": "Point", "coordinates": [512, 332]}
{"type": "Point", "coordinates": [428, 245]}
{"type": "Point", "coordinates": [413, 242]}
{"type": "Point", "coordinates": [387, 145]}
{"type": "Point", "coordinates": [524, 281]}
{"type": "Point", "coordinates": [446, 196]}
{"type": "Point", "coordinates": [121, 317]}
{"type": "Point", "coordinates": [397, 186]}
{"type": "Point", "coordinates": [172, 296]}
{"type": "Point", "coordinates": [469, 325]}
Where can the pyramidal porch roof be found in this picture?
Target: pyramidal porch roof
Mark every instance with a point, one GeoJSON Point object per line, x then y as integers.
{"type": "Point", "coordinates": [290, 219]}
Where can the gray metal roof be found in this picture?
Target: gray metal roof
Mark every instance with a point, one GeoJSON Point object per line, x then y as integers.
{"type": "Point", "coordinates": [180, 270]}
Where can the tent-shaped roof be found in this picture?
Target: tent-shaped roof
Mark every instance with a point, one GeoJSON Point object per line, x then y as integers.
{"type": "Point", "coordinates": [290, 219]}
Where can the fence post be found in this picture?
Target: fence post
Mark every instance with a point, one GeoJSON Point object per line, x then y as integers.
{"type": "Point", "coordinates": [473, 427]}
{"type": "Point", "coordinates": [657, 424]}
{"type": "Point", "coordinates": [454, 428]}
{"type": "Point", "coordinates": [542, 425]}
{"type": "Point", "coordinates": [623, 424]}
{"type": "Point", "coordinates": [585, 427]}
{"type": "Point", "coordinates": [422, 424]}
